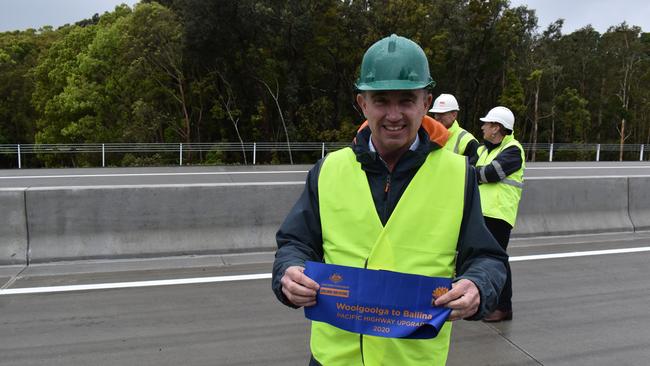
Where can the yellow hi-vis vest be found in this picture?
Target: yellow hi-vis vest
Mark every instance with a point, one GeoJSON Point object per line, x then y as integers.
{"type": "Point", "coordinates": [458, 139]}
{"type": "Point", "coordinates": [500, 200]}
{"type": "Point", "coordinates": [420, 237]}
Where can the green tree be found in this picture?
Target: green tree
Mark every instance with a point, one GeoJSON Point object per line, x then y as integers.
{"type": "Point", "coordinates": [572, 116]}
{"type": "Point", "coordinates": [622, 46]}
{"type": "Point", "coordinates": [543, 82]}
{"type": "Point", "coordinates": [19, 52]}
{"type": "Point", "coordinates": [513, 96]}
{"type": "Point", "coordinates": [56, 95]}
{"type": "Point", "coordinates": [259, 70]}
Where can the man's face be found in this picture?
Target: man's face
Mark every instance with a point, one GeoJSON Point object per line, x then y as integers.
{"type": "Point", "coordinates": [394, 117]}
{"type": "Point", "coordinates": [446, 118]}
{"type": "Point", "coordinates": [489, 129]}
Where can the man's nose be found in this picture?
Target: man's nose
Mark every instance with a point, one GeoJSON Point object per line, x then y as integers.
{"type": "Point", "coordinates": [394, 112]}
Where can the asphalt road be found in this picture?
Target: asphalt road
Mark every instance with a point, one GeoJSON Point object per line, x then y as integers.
{"type": "Point", "coordinates": [580, 310]}
{"type": "Point", "coordinates": [572, 309]}
{"type": "Point", "coordinates": [245, 174]}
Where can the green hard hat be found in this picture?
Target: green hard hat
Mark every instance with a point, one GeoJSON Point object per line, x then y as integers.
{"type": "Point", "coordinates": [394, 63]}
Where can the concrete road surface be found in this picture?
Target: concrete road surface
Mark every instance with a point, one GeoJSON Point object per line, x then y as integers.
{"type": "Point", "coordinates": [586, 308]}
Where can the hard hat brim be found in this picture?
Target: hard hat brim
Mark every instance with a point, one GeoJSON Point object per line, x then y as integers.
{"type": "Point", "coordinates": [499, 122]}
{"type": "Point", "coordinates": [394, 85]}
{"type": "Point", "coordinates": [443, 110]}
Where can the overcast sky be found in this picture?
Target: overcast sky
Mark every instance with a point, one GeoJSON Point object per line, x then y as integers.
{"type": "Point", "coordinates": [601, 14]}
{"type": "Point", "coordinates": [23, 14]}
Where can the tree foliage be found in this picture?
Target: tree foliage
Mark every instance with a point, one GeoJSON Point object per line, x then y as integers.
{"type": "Point", "coordinates": [259, 70]}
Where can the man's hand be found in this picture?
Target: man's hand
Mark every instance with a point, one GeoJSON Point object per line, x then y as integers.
{"type": "Point", "coordinates": [463, 299]}
{"type": "Point", "coordinates": [299, 289]}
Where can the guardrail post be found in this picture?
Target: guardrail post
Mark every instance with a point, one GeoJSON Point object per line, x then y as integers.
{"type": "Point", "coordinates": [641, 155]}
{"type": "Point", "coordinates": [103, 157]}
{"type": "Point", "coordinates": [254, 152]}
{"type": "Point", "coordinates": [19, 165]}
{"type": "Point", "coordinates": [550, 155]}
{"type": "Point", "coordinates": [598, 152]}
{"type": "Point", "coordinates": [322, 151]}
{"type": "Point", "coordinates": [180, 155]}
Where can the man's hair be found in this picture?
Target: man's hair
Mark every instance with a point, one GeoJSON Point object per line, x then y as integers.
{"type": "Point", "coordinates": [504, 131]}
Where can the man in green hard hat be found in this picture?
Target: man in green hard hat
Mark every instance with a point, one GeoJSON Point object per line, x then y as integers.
{"type": "Point", "coordinates": [394, 201]}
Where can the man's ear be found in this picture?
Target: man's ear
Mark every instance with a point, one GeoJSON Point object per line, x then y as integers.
{"type": "Point", "coordinates": [428, 99]}
{"type": "Point", "coordinates": [361, 101]}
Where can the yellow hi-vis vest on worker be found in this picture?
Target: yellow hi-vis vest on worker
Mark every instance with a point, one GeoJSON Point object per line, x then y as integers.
{"type": "Point", "coordinates": [420, 237]}
{"type": "Point", "coordinates": [500, 200]}
{"type": "Point", "coordinates": [458, 139]}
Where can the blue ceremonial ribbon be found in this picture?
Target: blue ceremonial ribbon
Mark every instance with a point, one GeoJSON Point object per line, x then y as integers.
{"type": "Point", "coordinates": [377, 302]}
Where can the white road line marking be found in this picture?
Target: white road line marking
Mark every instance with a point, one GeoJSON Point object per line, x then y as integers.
{"type": "Point", "coordinates": [586, 167]}
{"type": "Point", "coordinates": [177, 185]}
{"type": "Point", "coordinates": [260, 276]}
{"type": "Point", "coordinates": [578, 254]}
{"type": "Point", "coordinates": [587, 177]}
{"type": "Point", "coordinates": [273, 172]}
{"type": "Point", "coordinates": [105, 286]}
{"type": "Point", "coordinates": [147, 174]}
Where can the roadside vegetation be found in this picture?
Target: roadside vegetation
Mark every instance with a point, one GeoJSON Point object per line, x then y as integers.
{"type": "Point", "coordinates": [188, 71]}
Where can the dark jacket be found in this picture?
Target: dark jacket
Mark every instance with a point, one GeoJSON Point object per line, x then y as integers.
{"type": "Point", "coordinates": [480, 258]}
{"type": "Point", "coordinates": [471, 151]}
{"type": "Point", "coordinates": [509, 161]}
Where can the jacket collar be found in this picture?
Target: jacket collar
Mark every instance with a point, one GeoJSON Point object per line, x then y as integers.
{"type": "Point", "coordinates": [490, 146]}
{"type": "Point", "coordinates": [412, 159]}
{"type": "Point", "coordinates": [413, 146]}
{"type": "Point", "coordinates": [454, 127]}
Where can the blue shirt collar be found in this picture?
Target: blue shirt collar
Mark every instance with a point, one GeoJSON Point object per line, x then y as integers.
{"type": "Point", "coordinates": [413, 147]}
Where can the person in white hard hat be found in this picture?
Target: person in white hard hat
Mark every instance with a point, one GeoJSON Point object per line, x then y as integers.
{"type": "Point", "coordinates": [445, 110]}
{"type": "Point", "coordinates": [500, 172]}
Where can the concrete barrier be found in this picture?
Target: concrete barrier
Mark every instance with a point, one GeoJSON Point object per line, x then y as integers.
{"type": "Point", "coordinates": [640, 202]}
{"type": "Point", "coordinates": [141, 221]}
{"type": "Point", "coordinates": [562, 206]}
{"type": "Point", "coordinates": [71, 223]}
{"type": "Point", "coordinates": [13, 227]}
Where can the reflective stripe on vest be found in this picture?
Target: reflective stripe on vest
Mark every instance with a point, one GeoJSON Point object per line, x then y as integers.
{"type": "Point", "coordinates": [458, 139]}
{"type": "Point", "coordinates": [500, 200]}
{"type": "Point", "coordinates": [420, 237]}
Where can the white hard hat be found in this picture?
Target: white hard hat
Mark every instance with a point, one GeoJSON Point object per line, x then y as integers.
{"type": "Point", "coordinates": [444, 103]}
{"type": "Point", "coordinates": [500, 115]}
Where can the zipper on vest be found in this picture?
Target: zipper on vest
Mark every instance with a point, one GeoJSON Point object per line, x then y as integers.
{"type": "Point", "coordinates": [386, 193]}
{"type": "Point", "coordinates": [387, 186]}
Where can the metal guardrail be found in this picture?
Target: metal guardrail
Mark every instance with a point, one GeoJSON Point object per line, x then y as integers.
{"type": "Point", "coordinates": [254, 147]}
{"type": "Point", "coordinates": [247, 147]}
{"type": "Point", "coordinates": [597, 148]}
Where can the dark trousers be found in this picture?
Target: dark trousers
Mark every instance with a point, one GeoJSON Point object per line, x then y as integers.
{"type": "Point", "coordinates": [501, 232]}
